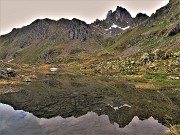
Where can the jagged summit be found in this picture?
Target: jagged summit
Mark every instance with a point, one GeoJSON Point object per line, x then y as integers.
{"type": "Point", "coordinates": [120, 18]}
{"type": "Point", "coordinates": [140, 17]}
{"type": "Point", "coordinates": [121, 8]}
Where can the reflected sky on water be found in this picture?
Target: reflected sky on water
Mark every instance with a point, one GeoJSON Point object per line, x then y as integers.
{"type": "Point", "coordinates": [19, 122]}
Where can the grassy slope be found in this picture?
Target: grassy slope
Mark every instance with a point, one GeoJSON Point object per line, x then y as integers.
{"type": "Point", "coordinates": [152, 34]}
{"type": "Point", "coordinates": [147, 37]}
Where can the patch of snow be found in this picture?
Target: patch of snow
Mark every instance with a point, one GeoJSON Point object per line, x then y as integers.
{"type": "Point", "coordinates": [115, 26]}
{"type": "Point", "coordinates": [125, 105]}
{"type": "Point", "coordinates": [116, 108]}
{"type": "Point", "coordinates": [125, 28]}
{"type": "Point", "coordinates": [53, 69]}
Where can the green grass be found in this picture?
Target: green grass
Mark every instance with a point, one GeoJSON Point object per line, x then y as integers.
{"type": "Point", "coordinates": [157, 76]}
{"type": "Point", "coordinates": [174, 130]}
{"type": "Point", "coordinates": [129, 73]}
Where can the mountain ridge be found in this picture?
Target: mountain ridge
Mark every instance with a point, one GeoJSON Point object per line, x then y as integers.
{"type": "Point", "coordinates": [119, 8]}
{"type": "Point", "coordinates": [85, 37]}
{"type": "Point", "coordinates": [67, 37]}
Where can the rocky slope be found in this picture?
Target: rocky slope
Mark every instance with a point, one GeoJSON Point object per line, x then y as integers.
{"type": "Point", "coordinates": [48, 38]}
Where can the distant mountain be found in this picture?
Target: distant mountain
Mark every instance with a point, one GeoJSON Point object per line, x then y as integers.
{"type": "Point", "coordinates": [47, 40]}
{"type": "Point", "coordinates": [119, 20]}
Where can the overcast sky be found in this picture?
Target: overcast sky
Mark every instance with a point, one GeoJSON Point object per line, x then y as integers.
{"type": "Point", "coordinates": [18, 13]}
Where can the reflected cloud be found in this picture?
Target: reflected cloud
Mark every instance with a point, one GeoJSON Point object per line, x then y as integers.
{"type": "Point", "coordinates": [20, 122]}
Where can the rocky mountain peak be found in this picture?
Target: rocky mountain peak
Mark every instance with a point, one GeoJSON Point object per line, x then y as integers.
{"type": "Point", "coordinates": [140, 17]}
{"type": "Point", "coordinates": [121, 10]}
{"type": "Point", "coordinates": [119, 15]}
{"type": "Point", "coordinates": [109, 14]}
{"type": "Point", "coordinates": [119, 20]}
{"type": "Point", "coordinates": [42, 21]}
{"type": "Point", "coordinates": [80, 22]}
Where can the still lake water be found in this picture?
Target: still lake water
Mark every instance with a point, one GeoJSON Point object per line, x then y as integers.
{"type": "Point", "coordinates": [19, 122]}
{"type": "Point", "coordinates": [69, 104]}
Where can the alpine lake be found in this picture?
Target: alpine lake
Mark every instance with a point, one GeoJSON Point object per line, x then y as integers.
{"type": "Point", "coordinates": [60, 103]}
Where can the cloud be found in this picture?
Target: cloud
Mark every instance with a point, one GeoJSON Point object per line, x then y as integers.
{"type": "Point", "coordinates": [20, 122]}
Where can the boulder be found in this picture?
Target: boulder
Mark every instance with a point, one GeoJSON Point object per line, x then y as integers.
{"type": "Point", "coordinates": [167, 55]}
{"type": "Point", "coordinates": [3, 74]}
{"type": "Point", "coordinates": [27, 80]}
{"type": "Point", "coordinates": [145, 58]}
{"type": "Point", "coordinates": [173, 77]}
{"type": "Point", "coordinates": [10, 72]}
{"type": "Point", "coordinates": [176, 54]}
{"type": "Point", "coordinates": [157, 54]}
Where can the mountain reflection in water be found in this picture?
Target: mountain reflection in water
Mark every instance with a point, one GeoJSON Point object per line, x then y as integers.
{"type": "Point", "coordinates": [19, 122]}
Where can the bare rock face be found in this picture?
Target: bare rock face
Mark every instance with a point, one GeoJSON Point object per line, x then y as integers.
{"type": "Point", "coordinates": [122, 19]}
{"type": "Point", "coordinates": [140, 17]}
{"type": "Point", "coordinates": [79, 30]}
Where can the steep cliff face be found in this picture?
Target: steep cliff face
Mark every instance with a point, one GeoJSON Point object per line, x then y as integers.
{"type": "Point", "coordinates": [120, 17]}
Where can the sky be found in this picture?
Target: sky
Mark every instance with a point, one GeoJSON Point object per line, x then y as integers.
{"type": "Point", "coordinates": [19, 13]}
{"type": "Point", "coordinates": [18, 122]}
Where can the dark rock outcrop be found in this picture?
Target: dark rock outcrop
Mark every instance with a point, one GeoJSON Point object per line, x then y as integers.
{"type": "Point", "coordinates": [79, 30]}
{"type": "Point", "coordinates": [120, 17]}
{"type": "Point", "coordinates": [175, 30]}
{"type": "Point", "coordinates": [5, 73]}
{"type": "Point", "coordinates": [140, 17]}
